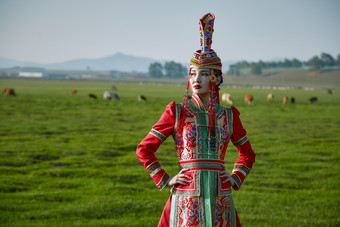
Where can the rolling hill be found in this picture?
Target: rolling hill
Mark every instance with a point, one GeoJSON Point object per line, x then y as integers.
{"type": "Point", "coordinates": [118, 62]}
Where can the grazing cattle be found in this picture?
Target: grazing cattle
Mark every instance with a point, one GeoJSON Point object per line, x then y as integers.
{"type": "Point", "coordinates": [8, 91]}
{"type": "Point", "coordinates": [313, 99]}
{"type": "Point", "coordinates": [270, 97]}
{"type": "Point", "coordinates": [74, 91]}
{"type": "Point", "coordinates": [292, 100]}
{"type": "Point", "coordinates": [109, 95]}
{"type": "Point", "coordinates": [4, 91]}
{"type": "Point", "coordinates": [113, 87]}
{"type": "Point", "coordinates": [92, 96]}
{"type": "Point", "coordinates": [329, 91]}
{"type": "Point", "coordinates": [248, 98]}
{"type": "Point", "coordinates": [141, 98]}
{"type": "Point", "coordinates": [227, 98]}
{"type": "Point", "coordinates": [284, 99]}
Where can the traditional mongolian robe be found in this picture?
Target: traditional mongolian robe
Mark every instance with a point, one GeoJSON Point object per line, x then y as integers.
{"type": "Point", "coordinates": [206, 201]}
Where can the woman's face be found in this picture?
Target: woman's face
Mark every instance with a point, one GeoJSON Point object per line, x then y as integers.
{"type": "Point", "coordinates": [199, 81]}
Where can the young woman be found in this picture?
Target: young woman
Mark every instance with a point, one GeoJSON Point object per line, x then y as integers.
{"type": "Point", "coordinates": [201, 191]}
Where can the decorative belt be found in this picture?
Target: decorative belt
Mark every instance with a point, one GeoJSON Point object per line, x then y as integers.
{"type": "Point", "coordinates": [202, 164]}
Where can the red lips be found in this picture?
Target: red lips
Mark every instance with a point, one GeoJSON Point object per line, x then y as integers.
{"type": "Point", "coordinates": [197, 86]}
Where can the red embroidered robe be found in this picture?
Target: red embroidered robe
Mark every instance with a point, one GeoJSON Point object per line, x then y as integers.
{"type": "Point", "coordinates": [206, 201]}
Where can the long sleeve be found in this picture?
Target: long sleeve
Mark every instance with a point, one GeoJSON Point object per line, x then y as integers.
{"type": "Point", "coordinates": [150, 144]}
{"type": "Point", "coordinates": [246, 154]}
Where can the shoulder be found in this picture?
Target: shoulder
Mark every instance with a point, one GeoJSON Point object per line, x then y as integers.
{"type": "Point", "coordinates": [168, 117]}
{"type": "Point", "coordinates": [232, 110]}
{"type": "Point", "coordinates": [171, 106]}
{"type": "Point", "coordinates": [170, 109]}
{"type": "Point", "coordinates": [235, 111]}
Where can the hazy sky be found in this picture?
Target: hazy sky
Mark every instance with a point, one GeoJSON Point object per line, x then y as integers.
{"type": "Point", "coordinates": [50, 31]}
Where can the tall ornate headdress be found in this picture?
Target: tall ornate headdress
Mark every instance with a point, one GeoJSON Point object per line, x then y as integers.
{"type": "Point", "coordinates": [206, 57]}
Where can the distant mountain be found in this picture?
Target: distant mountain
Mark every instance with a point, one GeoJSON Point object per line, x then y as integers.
{"type": "Point", "coordinates": [9, 63]}
{"type": "Point", "coordinates": [118, 62]}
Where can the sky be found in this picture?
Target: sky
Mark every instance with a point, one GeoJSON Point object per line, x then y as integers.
{"type": "Point", "coordinates": [51, 31]}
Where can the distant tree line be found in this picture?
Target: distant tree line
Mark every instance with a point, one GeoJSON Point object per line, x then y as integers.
{"type": "Point", "coordinates": [324, 61]}
{"type": "Point", "coordinates": [169, 70]}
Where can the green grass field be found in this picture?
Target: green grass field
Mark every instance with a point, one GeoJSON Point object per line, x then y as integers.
{"type": "Point", "coordinates": [66, 160]}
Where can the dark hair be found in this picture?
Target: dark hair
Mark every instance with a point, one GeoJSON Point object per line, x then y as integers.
{"type": "Point", "coordinates": [219, 73]}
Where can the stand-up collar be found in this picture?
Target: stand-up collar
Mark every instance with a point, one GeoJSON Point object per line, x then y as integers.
{"type": "Point", "coordinates": [198, 102]}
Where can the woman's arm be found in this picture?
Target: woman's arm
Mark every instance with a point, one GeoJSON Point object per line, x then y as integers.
{"type": "Point", "coordinates": [150, 144]}
{"type": "Point", "coordinates": [246, 154]}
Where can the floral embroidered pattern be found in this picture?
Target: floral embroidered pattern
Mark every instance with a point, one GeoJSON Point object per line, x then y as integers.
{"type": "Point", "coordinates": [190, 142]}
{"type": "Point", "coordinates": [224, 130]}
{"type": "Point", "coordinates": [189, 211]}
{"type": "Point", "coordinates": [223, 211]}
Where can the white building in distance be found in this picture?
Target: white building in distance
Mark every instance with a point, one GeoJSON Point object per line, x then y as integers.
{"type": "Point", "coordinates": [31, 74]}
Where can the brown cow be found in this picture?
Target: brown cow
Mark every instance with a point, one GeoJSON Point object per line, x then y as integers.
{"type": "Point", "coordinates": [270, 97]}
{"type": "Point", "coordinates": [74, 91]}
{"type": "Point", "coordinates": [285, 99]}
{"type": "Point", "coordinates": [8, 91]}
{"type": "Point", "coordinates": [227, 98]}
{"type": "Point", "coordinates": [248, 98]}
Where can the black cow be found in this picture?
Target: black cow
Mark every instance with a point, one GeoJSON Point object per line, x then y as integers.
{"type": "Point", "coordinates": [92, 96]}
{"type": "Point", "coordinates": [141, 98]}
{"type": "Point", "coordinates": [313, 99]}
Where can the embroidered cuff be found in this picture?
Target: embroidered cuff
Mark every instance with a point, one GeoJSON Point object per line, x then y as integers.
{"type": "Point", "coordinates": [241, 141]}
{"type": "Point", "coordinates": [242, 169]}
{"type": "Point", "coordinates": [158, 174]}
{"type": "Point", "coordinates": [157, 134]}
{"type": "Point", "coordinates": [153, 166]}
{"type": "Point", "coordinates": [237, 181]}
{"type": "Point", "coordinates": [163, 182]}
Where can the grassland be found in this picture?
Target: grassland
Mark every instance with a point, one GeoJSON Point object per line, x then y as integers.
{"type": "Point", "coordinates": [66, 160]}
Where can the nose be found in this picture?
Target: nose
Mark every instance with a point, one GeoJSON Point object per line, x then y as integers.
{"type": "Point", "coordinates": [197, 78]}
